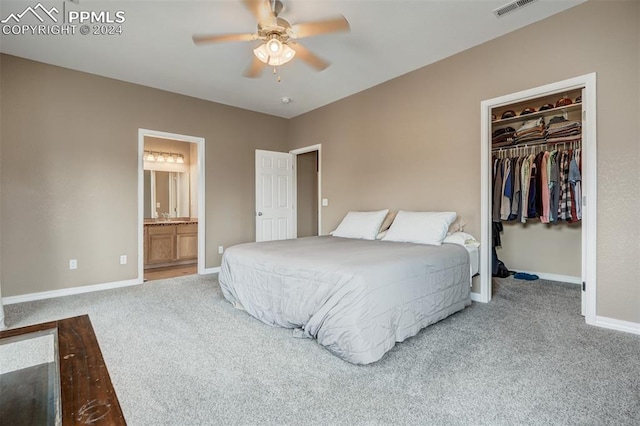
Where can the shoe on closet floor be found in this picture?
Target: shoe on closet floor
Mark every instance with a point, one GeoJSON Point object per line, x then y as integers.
{"type": "Point", "coordinates": [525, 276]}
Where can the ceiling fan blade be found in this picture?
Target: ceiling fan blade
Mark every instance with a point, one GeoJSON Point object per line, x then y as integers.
{"type": "Point", "coordinates": [255, 69]}
{"type": "Point", "coordinates": [331, 25]}
{"type": "Point", "coordinates": [216, 38]}
{"type": "Point", "coordinates": [310, 58]}
{"type": "Point", "coordinates": [261, 9]}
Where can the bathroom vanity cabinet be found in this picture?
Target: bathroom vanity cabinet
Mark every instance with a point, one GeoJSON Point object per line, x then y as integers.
{"type": "Point", "coordinates": [170, 243]}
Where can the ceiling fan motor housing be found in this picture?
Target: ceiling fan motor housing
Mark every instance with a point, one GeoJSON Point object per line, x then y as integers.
{"type": "Point", "coordinates": [280, 27]}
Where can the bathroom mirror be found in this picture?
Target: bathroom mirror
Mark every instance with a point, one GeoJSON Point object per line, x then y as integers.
{"type": "Point", "coordinates": [166, 194]}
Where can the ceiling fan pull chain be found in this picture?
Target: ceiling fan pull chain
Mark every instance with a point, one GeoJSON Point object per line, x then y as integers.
{"type": "Point", "coordinates": [275, 72]}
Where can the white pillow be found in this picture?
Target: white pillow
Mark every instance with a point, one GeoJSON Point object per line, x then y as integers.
{"type": "Point", "coordinates": [420, 227]}
{"type": "Point", "coordinates": [362, 225]}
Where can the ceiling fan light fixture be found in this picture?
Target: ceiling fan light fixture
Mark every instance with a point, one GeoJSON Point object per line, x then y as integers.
{"type": "Point", "coordinates": [260, 54]}
{"type": "Point", "coordinates": [266, 55]}
{"type": "Point", "coordinates": [274, 46]}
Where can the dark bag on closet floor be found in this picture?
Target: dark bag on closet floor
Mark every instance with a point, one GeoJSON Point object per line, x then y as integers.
{"type": "Point", "coordinates": [502, 271]}
{"type": "Point", "coordinates": [499, 269]}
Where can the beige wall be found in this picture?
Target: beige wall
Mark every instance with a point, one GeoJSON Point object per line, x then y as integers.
{"type": "Point", "coordinates": [414, 142]}
{"type": "Point", "coordinates": [59, 203]}
{"type": "Point", "coordinates": [169, 145]}
{"type": "Point", "coordinates": [307, 194]}
{"type": "Point", "coordinates": [538, 247]}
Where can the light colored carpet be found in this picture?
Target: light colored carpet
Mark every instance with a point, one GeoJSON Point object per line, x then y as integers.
{"type": "Point", "coordinates": [179, 354]}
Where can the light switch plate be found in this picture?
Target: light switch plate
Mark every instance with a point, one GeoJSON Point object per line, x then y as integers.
{"type": "Point", "coordinates": [325, 202]}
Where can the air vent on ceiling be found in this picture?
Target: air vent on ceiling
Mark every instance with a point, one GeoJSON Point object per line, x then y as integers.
{"type": "Point", "coordinates": [510, 7]}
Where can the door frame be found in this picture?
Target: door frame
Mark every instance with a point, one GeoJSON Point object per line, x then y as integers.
{"type": "Point", "coordinates": [200, 143]}
{"type": "Point", "coordinates": [589, 187]}
{"type": "Point", "coordinates": [296, 152]}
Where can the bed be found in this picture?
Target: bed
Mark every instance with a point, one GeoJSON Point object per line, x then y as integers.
{"type": "Point", "coordinates": [356, 297]}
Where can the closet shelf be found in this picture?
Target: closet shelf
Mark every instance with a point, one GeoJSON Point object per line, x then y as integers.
{"type": "Point", "coordinates": [526, 117]}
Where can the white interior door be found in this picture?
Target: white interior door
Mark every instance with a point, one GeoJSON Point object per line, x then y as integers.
{"type": "Point", "coordinates": [274, 196]}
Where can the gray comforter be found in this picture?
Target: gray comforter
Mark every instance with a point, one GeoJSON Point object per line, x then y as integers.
{"type": "Point", "coordinates": [356, 297]}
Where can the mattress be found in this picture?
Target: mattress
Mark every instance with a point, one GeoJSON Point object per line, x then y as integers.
{"type": "Point", "coordinates": [474, 259]}
{"type": "Point", "coordinates": [356, 297]}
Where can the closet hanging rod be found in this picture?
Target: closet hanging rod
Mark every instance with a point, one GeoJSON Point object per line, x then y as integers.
{"type": "Point", "coordinates": [503, 152]}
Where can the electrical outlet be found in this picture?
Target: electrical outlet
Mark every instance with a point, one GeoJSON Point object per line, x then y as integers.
{"type": "Point", "coordinates": [73, 264]}
{"type": "Point", "coordinates": [123, 259]}
{"type": "Point", "coordinates": [220, 249]}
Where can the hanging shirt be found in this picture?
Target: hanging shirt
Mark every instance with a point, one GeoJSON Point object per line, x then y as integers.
{"type": "Point", "coordinates": [544, 186]}
{"type": "Point", "coordinates": [507, 190]}
{"type": "Point", "coordinates": [515, 201]}
{"type": "Point", "coordinates": [564, 207]}
{"type": "Point", "coordinates": [525, 176]}
{"type": "Point", "coordinates": [575, 180]}
{"type": "Point", "coordinates": [573, 217]}
{"type": "Point", "coordinates": [497, 191]}
{"type": "Point", "coordinates": [554, 188]}
{"type": "Point", "coordinates": [533, 188]}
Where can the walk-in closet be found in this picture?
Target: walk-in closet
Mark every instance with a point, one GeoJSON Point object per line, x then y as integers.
{"type": "Point", "coordinates": [535, 192]}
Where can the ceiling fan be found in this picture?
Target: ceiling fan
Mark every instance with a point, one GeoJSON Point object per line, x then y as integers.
{"type": "Point", "coordinates": [278, 37]}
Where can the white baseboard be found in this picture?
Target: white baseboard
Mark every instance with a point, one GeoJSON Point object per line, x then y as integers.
{"type": "Point", "coordinates": [68, 291]}
{"type": "Point", "coordinates": [83, 289]}
{"type": "Point", "coordinates": [214, 270]}
{"type": "Point", "coordinates": [555, 277]}
{"type": "Point", "coordinates": [614, 324]}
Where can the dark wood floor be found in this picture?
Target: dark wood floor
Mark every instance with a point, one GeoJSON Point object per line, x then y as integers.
{"type": "Point", "coordinates": [170, 272]}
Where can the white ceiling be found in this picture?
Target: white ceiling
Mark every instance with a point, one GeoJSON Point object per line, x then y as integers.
{"type": "Point", "coordinates": [387, 39]}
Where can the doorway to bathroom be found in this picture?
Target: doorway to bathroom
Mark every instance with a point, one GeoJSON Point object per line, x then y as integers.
{"type": "Point", "coordinates": [171, 205]}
